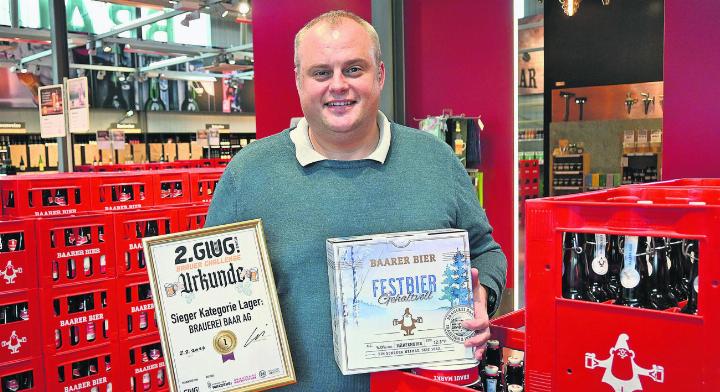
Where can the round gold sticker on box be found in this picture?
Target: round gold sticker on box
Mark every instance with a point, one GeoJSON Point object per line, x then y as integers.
{"type": "Point", "coordinates": [224, 343]}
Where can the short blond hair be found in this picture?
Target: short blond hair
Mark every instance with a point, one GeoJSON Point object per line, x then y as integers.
{"type": "Point", "coordinates": [335, 18]}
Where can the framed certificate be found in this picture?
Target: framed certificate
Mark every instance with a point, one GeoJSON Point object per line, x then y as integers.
{"type": "Point", "coordinates": [217, 309]}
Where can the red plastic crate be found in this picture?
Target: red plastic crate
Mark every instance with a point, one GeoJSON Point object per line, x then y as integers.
{"type": "Point", "coordinates": [20, 376]}
{"type": "Point", "coordinates": [72, 315]}
{"type": "Point", "coordinates": [171, 187]}
{"type": "Point", "coordinates": [686, 182]}
{"type": "Point", "coordinates": [131, 227]}
{"type": "Point", "coordinates": [20, 327]}
{"type": "Point", "coordinates": [143, 364]}
{"type": "Point", "coordinates": [192, 217]}
{"type": "Point", "coordinates": [70, 250]}
{"type": "Point", "coordinates": [569, 342]}
{"type": "Point", "coordinates": [137, 311]}
{"type": "Point", "coordinates": [203, 183]}
{"type": "Point", "coordinates": [18, 260]}
{"type": "Point", "coordinates": [95, 370]}
{"type": "Point", "coordinates": [122, 191]}
{"type": "Point", "coordinates": [45, 195]}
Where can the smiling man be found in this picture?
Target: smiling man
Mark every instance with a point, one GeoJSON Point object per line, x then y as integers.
{"type": "Point", "coordinates": [345, 170]}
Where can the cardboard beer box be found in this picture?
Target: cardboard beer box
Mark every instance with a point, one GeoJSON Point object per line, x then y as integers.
{"type": "Point", "coordinates": [398, 300]}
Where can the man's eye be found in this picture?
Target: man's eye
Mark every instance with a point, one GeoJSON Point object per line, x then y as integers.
{"type": "Point", "coordinates": [353, 70]}
{"type": "Point", "coordinates": [321, 74]}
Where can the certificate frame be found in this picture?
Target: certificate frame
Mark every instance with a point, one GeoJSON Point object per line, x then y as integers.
{"type": "Point", "coordinates": [158, 275]}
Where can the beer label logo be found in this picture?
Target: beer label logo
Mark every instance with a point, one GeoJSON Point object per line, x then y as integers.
{"type": "Point", "coordinates": [224, 344]}
{"type": "Point", "coordinates": [14, 342]}
{"type": "Point", "coordinates": [10, 272]}
{"type": "Point", "coordinates": [622, 372]}
{"type": "Point", "coordinates": [600, 265]}
{"type": "Point", "coordinates": [629, 278]}
{"type": "Point", "coordinates": [452, 323]}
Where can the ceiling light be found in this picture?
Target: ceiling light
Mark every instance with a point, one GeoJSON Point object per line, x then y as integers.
{"type": "Point", "coordinates": [570, 7]}
{"type": "Point", "coordinates": [244, 8]}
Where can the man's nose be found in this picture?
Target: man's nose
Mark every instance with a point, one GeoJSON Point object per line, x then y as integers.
{"type": "Point", "coordinates": [338, 82]}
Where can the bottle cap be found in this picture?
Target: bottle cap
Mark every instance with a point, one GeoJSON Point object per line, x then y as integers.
{"type": "Point", "coordinates": [514, 361]}
{"type": "Point", "coordinates": [491, 370]}
{"type": "Point", "coordinates": [514, 388]}
{"type": "Point", "coordinates": [493, 343]}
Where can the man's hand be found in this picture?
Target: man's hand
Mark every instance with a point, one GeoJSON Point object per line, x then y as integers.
{"type": "Point", "coordinates": [481, 323]}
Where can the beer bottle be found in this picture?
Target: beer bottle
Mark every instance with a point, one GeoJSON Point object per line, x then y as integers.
{"type": "Point", "coordinates": [493, 354]}
{"type": "Point", "coordinates": [129, 323]}
{"type": "Point", "coordinates": [491, 379]}
{"type": "Point", "coordinates": [90, 332]}
{"type": "Point", "coordinates": [573, 276]}
{"type": "Point", "coordinates": [11, 200]}
{"type": "Point", "coordinates": [47, 198]}
{"type": "Point", "coordinates": [142, 192]}
{"type": "Point", "coordinates": [22, 166]}
{"type": "Point", "coordinates": [142, 323]}
{"type": "Point", "coordinates": [514, 388]}
{"type": "Point", "coordinates": [103, 264]}
{"type": "Point", "coordinates": [161, 377]}
{"type": "Point", "coordinates": [177, 190]}
{"type": "Point", "coordinates": [87, 266]}
{"type": "Point", "coordinates": [126, 193]}
{"type": "Point", "coordinates": [683, 270]}
{"type": "Point", "coordinates": [114, 195]}
{"type": "Point", "coordinates": [692, 255]}
{"type": "Point", "coordinates": [656, 283]}
{"type": "Point", "coordinates": [55, 271]}
{"type": "Point", "coordinates": [26, 380]}
{"type": "Point", "coordinates": [631, 275]}
{"type": "Point", "coordinates": [21, 241]}
{"type": "Point", "coordinates": [60, 197]}
{"type": "Point", "coordinates": [71, 272]}
{"type": "Point", "coordinates": [597, 268]}
{"type": "Point", "coordinates": [514, 372]}
{"type": "Point", "coordinates": [615, 262]}
{"type": "Point", "coordinates": [58, 338]}
{"type": "Point", "coordinates": [164, 190]}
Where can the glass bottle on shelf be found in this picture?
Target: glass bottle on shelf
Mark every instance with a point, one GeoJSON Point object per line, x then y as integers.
{"type": "Point", "coordinates": [597, 268]}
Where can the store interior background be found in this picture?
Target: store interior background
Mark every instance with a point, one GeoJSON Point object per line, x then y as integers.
{"type": "Point", "coordinates": [461, 55]}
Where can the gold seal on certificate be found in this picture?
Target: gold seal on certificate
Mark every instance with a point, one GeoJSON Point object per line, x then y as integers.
{"type": "Point", "coordinates": [224, 343]}
{"type": "Point", "coordinates": [218, 312]}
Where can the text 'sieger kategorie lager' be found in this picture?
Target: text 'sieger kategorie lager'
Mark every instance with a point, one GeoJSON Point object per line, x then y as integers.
{"type": "Point", "coordinates": [398, 300]}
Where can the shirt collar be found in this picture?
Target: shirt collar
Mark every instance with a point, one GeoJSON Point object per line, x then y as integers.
{"type": "Point", "coordinates": [306, 154]}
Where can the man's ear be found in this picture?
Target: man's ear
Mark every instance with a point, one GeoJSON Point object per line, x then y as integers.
{"type": "Point", "coordinates": [381, 74]}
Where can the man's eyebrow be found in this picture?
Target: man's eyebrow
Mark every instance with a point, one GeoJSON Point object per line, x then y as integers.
{"type": "Point", "coordinates": [359, 60]}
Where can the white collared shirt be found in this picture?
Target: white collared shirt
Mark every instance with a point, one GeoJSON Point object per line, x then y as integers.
{"type": "Point", "coordinates": [306, 154]}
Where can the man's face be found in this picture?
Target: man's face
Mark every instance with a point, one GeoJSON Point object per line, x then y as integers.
{"type": "Point", "coordinates": [338, 82]}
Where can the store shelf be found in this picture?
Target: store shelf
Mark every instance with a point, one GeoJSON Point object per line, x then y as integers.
{"type": "Point", "coordinates": [570, 172]}
{"type": "Point", "coordinates": [568, 156]}
{"type": "Point", "coordinates": [640, 154]}
{"type": "Point", "coordinates": [567, 188]}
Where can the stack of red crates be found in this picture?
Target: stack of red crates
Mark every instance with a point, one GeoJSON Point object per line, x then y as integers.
{"type": "Point", "coordinates": [20, 342]}
{"type": "Point", "coordinates": [529, 181]}
{"type": "Point", "coordinates": [76, 311]}
{"type": "Point", "coordinates": [78, 301]}
{"type": "Point", "coordinates": [602, 346]}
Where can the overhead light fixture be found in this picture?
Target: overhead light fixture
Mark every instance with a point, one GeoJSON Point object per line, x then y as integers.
{"type": "Point", "coordinates": [189, 17]}
{"type": "Point", "coordinates": [244, 8]}
{"type": "Point", "coordinates": [570, 7]}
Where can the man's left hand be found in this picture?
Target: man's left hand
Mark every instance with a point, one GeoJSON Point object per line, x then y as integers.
{"type": "Point", "coordinates": [481, 322]}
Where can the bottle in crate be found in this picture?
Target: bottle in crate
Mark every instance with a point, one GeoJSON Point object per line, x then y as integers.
{"type": "Point", "coordinates": [491, 379]}
{"type": "Point", "coordinates": [658, 296]}
{"type": "Point", "coordinates": [633, 271]}
{"type": "Point", "coordinates": [596, 268]}
{"type": "Point", "coordinates": [514, 371]}
{"type": "Point", "coordinates": [677, 276]}
{"type": "Point", "coordinates": [573, 273]}
{"type": "Point", "coordinates": [691, 255]}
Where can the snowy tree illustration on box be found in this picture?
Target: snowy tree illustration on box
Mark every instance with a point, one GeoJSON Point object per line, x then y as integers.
{"type": "Point", "coordinates": [455, 282]}
{"type": "Point", "coordinates": [354, 262]}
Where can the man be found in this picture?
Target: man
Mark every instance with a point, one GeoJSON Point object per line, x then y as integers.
{"type": "Point", "coordinates": [345, 171]}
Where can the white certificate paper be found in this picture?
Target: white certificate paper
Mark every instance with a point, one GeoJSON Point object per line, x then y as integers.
{"type": "Point", "coordinates": [218, 312]}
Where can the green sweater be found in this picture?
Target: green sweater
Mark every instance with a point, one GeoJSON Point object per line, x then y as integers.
{"type": "Point", "coordinates": [421, 185]}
